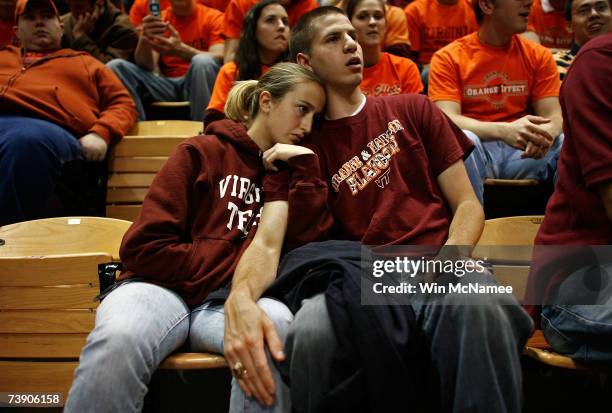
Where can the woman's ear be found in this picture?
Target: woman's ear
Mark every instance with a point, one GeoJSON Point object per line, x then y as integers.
{"type": "Point", "coordinates": [265, 102]}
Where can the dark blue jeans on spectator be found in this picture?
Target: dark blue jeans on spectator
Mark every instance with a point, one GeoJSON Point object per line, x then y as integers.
{"type": "Point", "coordinates": [32, 152]}
{"type": "Point", "coordinates": [578, 323]}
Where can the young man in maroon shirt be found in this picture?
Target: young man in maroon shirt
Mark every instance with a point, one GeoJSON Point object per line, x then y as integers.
{"type": "Point", "coordinates": [394, 166]}
{"type": "Point", "coordinates": [579, 214]}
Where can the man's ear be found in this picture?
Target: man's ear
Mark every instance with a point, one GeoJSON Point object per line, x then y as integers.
{"type": "Point", "coordinates": [303, 60]}
{"type": "Point", "coordinates": [487, 6]}
{"type": "Point", "coordinates": [265, 102]}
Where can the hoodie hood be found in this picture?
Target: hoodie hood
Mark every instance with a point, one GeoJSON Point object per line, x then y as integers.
{"type": "Point", "coordinates": [235, 133]}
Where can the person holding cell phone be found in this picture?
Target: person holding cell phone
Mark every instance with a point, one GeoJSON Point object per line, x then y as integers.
{"type": "Point", "coordinates": [177, 57]}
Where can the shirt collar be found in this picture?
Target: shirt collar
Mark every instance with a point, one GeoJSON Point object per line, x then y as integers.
{"type": "Point", "coordinates": [546, 6]}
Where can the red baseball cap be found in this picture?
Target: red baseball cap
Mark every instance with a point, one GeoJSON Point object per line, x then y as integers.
{"type": "Point", "coordinates": [23, 6]}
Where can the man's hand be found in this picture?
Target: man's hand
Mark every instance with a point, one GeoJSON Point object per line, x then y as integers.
{"type": "Point", "coordinates": [527, 134]}
{"type": "Point", "coordinates": [93, 147]}
{"type": "Point", "coordinates": [85, 23]}
{"type": "Point", "coordinates": [168, 45]}
{"type": "Point", "coordinates": [282, 152]}
{"type": "Point", "coordinates": [246, 329]}
{"type": "Point", "coordinates": [153, 26]}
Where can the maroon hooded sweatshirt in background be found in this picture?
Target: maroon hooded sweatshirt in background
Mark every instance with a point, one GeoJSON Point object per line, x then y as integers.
{"type": "Point", "coordinates": [202, 210]}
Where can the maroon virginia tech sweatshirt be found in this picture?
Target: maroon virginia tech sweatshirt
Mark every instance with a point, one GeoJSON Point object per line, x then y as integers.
{"type": "Point", "coordinates": [201, 212]}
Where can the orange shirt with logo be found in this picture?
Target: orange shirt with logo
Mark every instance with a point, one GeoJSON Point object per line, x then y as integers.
{"type": "Point", "coordinates": [392, 75]}
{"type": "Point", "coordinates": [550, 25]}
{"type": "Point", "coordinates": [225, 80]}
{"type": "Point", "coordinates": [140, 8]}
{"type": "Point", "coordinates": [236, 10]}
{"type": "Point", "coordinates": [200, 30]}
{"type": "Point", "coordinates": [432, 25]}
{"type": "Point", "coordinates": [497, 84]}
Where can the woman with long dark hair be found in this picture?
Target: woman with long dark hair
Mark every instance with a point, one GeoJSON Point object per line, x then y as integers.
{"type": "Point", "coordinates": [264, 42]}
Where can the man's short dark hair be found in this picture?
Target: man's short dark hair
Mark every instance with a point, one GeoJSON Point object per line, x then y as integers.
{"type": "Point", "coordinates": [303, 34]}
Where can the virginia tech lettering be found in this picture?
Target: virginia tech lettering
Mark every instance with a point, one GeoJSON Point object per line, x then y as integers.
{"type": "Point", "coordinates": [249, 194]}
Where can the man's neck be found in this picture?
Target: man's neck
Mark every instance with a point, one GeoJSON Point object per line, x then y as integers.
{"type": "Point", "coordinates": [491, 35]}
{"type": "Point", "coordinates": [342, 103]}
{"type": "Point", "coordinates": [447, 2]}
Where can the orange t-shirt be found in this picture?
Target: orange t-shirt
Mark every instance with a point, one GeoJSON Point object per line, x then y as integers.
{"type": "Point", "coordinates": [497, 84]}
{"type": "Point", "coordinates": [216, 4]}
{"type": "Point", "coordinates": [392, 75]}
{"type": "Point", "coordinates": [397, 27]}
{"type": "Point", "coordinates": [225, 80]}
{"type": "Point", "coordinates": [200, 30]}
{"type": "Point", "coordinates": [550, 25]}
{"type": "Point", "coordinates": [236, 10]}
{"type": "Point", "coordinates": [140, 8]}
{"type": "Point", "coordinates": [432, 25]}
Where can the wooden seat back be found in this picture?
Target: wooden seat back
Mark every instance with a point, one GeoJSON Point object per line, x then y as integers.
{"type": "Point", "coordinates": [48, 282]}
{"type": "Point", "coordinates": [64, 235]}
{"type": "Point", "coordinates": [47, 308]}
{"type": "Point", "coordinates": [136, 159]}
{"type": "Point", "coordinates": [506, 243]}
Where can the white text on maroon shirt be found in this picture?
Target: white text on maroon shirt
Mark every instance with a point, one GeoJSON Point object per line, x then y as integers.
{"type": "Point", "coordinates": [375, 159]}
{"type": "Point", "coordinates": [249, 194]}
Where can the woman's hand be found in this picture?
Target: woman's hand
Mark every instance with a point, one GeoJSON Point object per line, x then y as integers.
{"type": "Point", "coordinates": [246, 329]}
{"type": "Point", "coordinates": [282, 152]}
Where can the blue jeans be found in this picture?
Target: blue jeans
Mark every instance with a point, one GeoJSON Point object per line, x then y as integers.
{"type": "Point", "coordinates": [579, 323]}
{"type": "Point", "coordinates": [137, 326]}
{"type": "Point", "coordinates": [474, 346]}
{"type": "Point", "coordinates": [196, 86]}
{"type": "Point", "coordinates": [32, 151]}
{"type": "Point", "coordinates": [496, 159]}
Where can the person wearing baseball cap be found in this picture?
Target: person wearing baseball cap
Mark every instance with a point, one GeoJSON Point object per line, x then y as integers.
{"type": "Point", "coordinates": [57, 106]}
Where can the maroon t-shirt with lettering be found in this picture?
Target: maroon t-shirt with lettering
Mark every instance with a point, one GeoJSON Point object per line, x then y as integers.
{"type": "Point", "coordinates": [381, 166]}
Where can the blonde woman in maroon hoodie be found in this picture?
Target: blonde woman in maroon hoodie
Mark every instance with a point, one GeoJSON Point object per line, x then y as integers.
{"type": "Point", "coordinates": [181, 253]}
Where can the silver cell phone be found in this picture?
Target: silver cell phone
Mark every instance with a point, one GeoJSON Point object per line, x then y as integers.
{"type": "Point", "coordinates": [154, 8]}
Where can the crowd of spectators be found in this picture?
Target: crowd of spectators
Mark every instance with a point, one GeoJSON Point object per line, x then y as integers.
{"type": "Point", "coordinates": [74, 83]}
{"type": "Point", "coordinates": [488, 72]}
